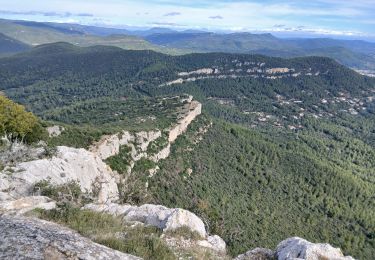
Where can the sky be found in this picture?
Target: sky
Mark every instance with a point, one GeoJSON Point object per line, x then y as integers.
{"type": "Point", "coordinates": [340, 18]}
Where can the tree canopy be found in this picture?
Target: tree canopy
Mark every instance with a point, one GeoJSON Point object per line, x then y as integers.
{"type": "Point", "coordinates": [15, 121]}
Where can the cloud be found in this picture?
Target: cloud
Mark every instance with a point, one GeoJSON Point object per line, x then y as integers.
{"type": "Point", "coordinates": [172, 14]}
{"type": "Point", "coordinates": [47, 14]}
{"type": "Point", "coordinates": [216, 17]}
{"type": "Point", "coordinates": [167, 24]}
{"type": "Point", "coordinates": [85, 15]}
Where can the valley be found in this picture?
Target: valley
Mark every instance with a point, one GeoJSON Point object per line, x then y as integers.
{"type": "Point", "coordinates": [258, 148]}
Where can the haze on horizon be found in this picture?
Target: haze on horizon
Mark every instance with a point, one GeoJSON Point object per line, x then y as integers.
{"type": "Point", "coordinates": [329, 18]}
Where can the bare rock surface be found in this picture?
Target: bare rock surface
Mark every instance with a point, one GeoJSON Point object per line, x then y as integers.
{"type": "Point", "coordinates": [257, 254]}
{"type": "Point", "coordinates": [69, 164]}
{"type": "Point", "coordinates": [55, 130]}
{"type": "Point", "coordinates": [28, 238]}
{"type": "Point", "coordinates": [26, 204]}
{"type": "Point", "coordinates": [298, 248]}
{"type": "Point", "coordinates": [110, 145]}
{"type": "Point", "coordinates": [155, 215]}
{"type": "Point", "coordinates": [214, 242]}
{"type": "Point", "coordinates": [195, 109]}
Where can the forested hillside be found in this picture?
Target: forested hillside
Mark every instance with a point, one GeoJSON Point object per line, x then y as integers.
{"type": "Point", "coordinates": [285, 146]}
{"type": "Point", "coordinates": [355, 54]}
{"type": "Point", "coordinates": [10, 46]}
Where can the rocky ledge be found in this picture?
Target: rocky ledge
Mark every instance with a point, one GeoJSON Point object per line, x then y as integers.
{"type": "Point", "coordinates": [28, 238]}
{"type": "Point", "coordinates": [163, 218]}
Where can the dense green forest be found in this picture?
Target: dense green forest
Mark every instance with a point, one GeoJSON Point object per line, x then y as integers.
{"type": "Point", "coordinates": [287, 153]}
{"type": "Point", "coordinates": [257, 187]}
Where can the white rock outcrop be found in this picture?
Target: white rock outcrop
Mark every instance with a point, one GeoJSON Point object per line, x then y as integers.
{"type": "Point", "coordinates": [257, 254]}
{"type": "Point", "coordinates": [28, 238]}
{"type": "Point", "coordinates": [206, 71]}
{"type": "Point", "coordinates": [23, 205]}
{"type": "Point", "coordinates": [55, 130]}
{"type": "Point", "coordinates": [195, 109]}
{"type": "Point", "coordinates": [154, 215]}
{"type": "Point", "coordinates": [69, 164]}
{"type": "Point", "coordinates": [162, 154]}
{"type": "Point", "coordinates": [298, 248]}
{"type": "Point", "coordinates": [110, 145]}
{"type": "Point", "coordinates": [139, 142]}
{"type": "Point", "coordinates": [215, 243]}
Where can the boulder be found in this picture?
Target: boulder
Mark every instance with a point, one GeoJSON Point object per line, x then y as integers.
{"type": "Point", "coordinates": [257, 254]}
{"type": "Point", "coordinates": [298, 248]}
{"type": "Point", "coordinates": [154, 215]}
{"type": "Point", "coordinates": [215, 243]}
{"type": "Point", "coordinates": [179, 218]}
{"type": "Point", "coordinates": [55, 130]}
{"type": "Point", "coordinates": [26, 204]}
{"type": "Point", "coordinates": [69, 164]}
{"type": "Point", "coordinates": [28, 238]}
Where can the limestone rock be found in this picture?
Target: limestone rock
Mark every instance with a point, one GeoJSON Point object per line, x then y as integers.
{"type": "Point", "coordinates": [179, 218]}
{"type": "Point", "coordinates": [69, 164]}
{"type": "Point", "coordinates": [55, 130]}
{"type": "Point", "coordinates": [154, 215]}
{"type": "Point", "coordinates": [110, 145]}
{"type": "Point", "coordinates": [257, 254]}
{"type": "Point", "coordinates": [162, 154]}
{"type": "Point", "coordinates": [26, 204]}
{"type": "Point", "coordinates": [195, 109]}
{"type": "Point", "coordinates": [298, 248]}
{"type": "Point", "coordinates": [27, 238]}
{"type": "Point", "coordinates": [214, 242]}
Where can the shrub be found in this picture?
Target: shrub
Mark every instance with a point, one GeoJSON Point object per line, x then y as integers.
{"type": "Point", "coordinates": [186, 233]}
{"type": "Point", "coordinates": [110, 231]}
{"type": "Point", "coordinates": [70, 192]}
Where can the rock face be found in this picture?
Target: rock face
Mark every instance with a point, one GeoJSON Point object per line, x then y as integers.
{"type": "Point", "coordinates": [257, 254]}
{"type": "Point", "coordinates": [26, 204]}
{"type": "Point", "coordinates": [195, 109]}
{"type": "Point", "coordinates": [154, 215]}
{"type": "Point", "coordinates": [26, 238]}
{"type": "Point", "coordinates": [69, 164]}
{"type": "Point", "coordinates": [110, 145]}
{"type": "Point", "coordinates": [162, 154]}
{"type": "Point", "coordinates": [298, 248]}
{"type": "Point", "coordinates": [215, 243]}
{"type": "Point", "coordinates": [55, 130]}
{"type": "Point", "coordinates": [139, 142]}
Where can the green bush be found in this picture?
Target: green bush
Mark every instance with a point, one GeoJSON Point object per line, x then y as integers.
{"type": "Point", "coordinates": [121, 161]}
{"type": "Point", "coordinates": [67, 192]}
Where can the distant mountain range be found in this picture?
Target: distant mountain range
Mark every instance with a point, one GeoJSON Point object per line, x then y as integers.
{"type": "Point", "coordinates": [10, 46]}
{"type": "Point", "coordinates": [356, 54]}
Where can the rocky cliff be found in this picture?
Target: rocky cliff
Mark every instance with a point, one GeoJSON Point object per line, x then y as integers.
{"type": "Point", "coordinates": [30, 238]}
{"type": "Point", "coordinates": [87, 167]}
{"type": "Point", "coordinates": [68, 164]}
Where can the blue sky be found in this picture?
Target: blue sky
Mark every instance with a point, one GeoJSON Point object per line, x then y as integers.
{"type": "Point", "coordinates": [322, 17]}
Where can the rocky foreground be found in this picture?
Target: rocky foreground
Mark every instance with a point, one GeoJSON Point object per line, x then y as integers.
{"type": "Point", "coordinates": [30, 238]}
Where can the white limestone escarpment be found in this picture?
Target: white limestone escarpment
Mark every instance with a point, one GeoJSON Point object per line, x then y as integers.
{"type": "Point", "coordinates": [67, 165]}
{"type": "Point", "coordinates": [195, 109]}
{"type": "Point", "coordinates": [139, 142]}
